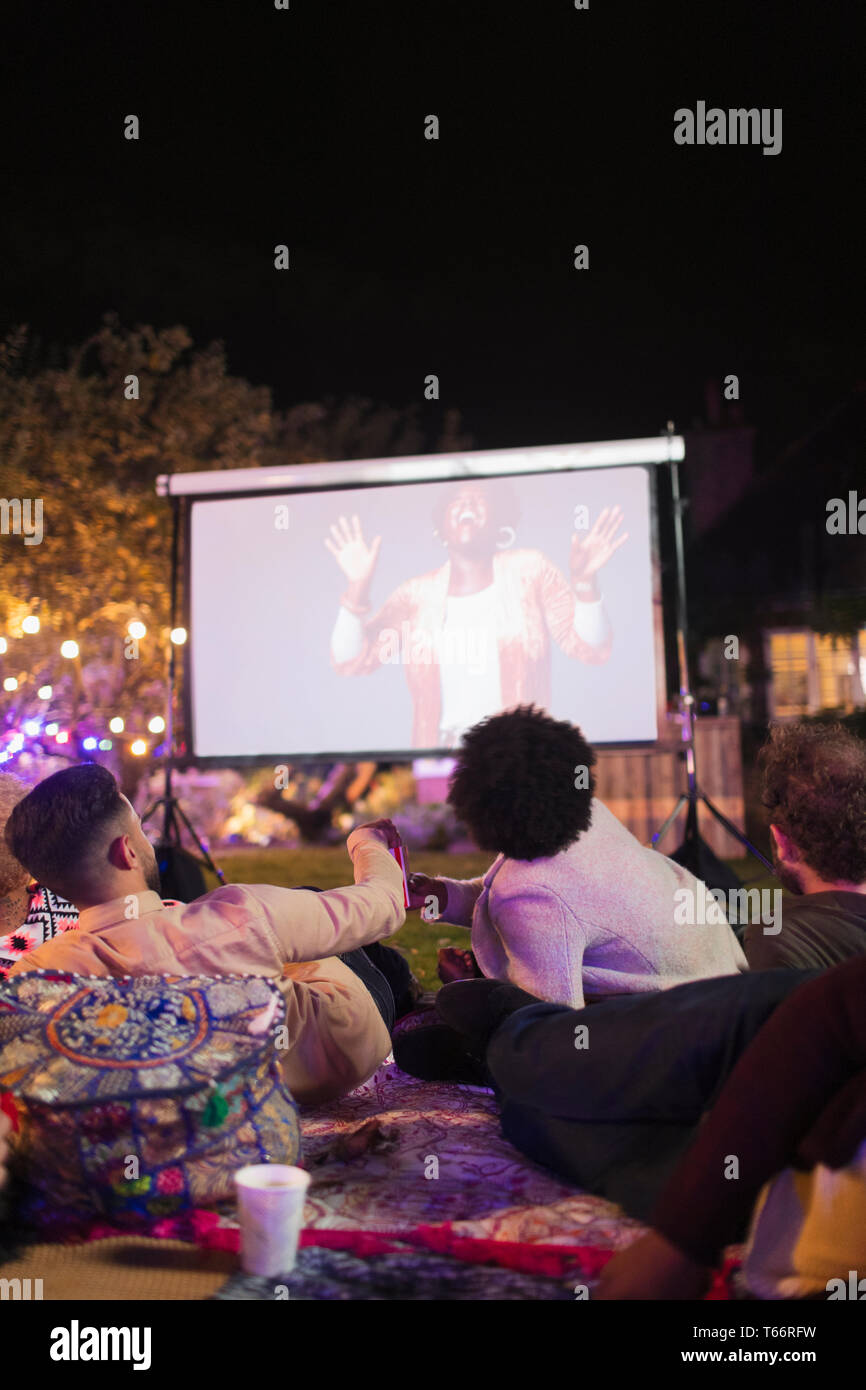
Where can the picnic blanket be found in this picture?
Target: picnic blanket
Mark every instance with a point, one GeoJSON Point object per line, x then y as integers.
{"type": "Point", "coordinates": [414, 1194]}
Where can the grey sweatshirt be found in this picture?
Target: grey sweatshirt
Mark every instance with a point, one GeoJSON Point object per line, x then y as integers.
{"type": "Point", "coordinates": [597, 919]}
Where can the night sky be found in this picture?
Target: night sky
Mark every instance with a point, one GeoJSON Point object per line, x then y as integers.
{"type": "Point", "coordinates": [454, 256]}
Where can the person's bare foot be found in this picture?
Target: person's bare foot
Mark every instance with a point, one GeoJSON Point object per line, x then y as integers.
{"type": "Point", "coordinates": [456, 964]}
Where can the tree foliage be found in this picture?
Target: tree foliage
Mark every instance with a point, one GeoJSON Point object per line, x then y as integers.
{"type": "Point", "coordinates": [71, 436]}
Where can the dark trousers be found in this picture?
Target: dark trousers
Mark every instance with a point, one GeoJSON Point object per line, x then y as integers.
{"type": "Point", "coordinates": [614, 1108]}
{"type": "Point", "coordinates": [387, 976]}
{"type": "Point", "coordinates": [385, 973]}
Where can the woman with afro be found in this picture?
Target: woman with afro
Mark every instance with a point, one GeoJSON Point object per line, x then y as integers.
{"type": "Point", "coordinates": [573, 908]}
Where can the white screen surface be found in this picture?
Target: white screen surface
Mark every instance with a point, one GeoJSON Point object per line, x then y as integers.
{"type": "Point", "coordinates": [452, 632]}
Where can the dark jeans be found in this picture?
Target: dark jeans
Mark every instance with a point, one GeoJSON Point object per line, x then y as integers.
{"type": "Point", "coordinates": [385, 973]}
{"type": "Point", "coordinates": [617, 1114]}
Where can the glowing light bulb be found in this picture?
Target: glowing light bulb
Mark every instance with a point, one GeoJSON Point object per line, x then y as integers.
{"type": "Point", "coordinates": [138, 748]}
{"type": "Point", "coordinates": [31, 624]}
{"type": "Point", "coordinates": [157, 724]}
{"type": "Point", "coordinates": [4, 645]}
{"type": "Point", "coordinates": [137, 630]}
{"type": "Point", "coordinates": [116, 724]}
{"type": "Point", "coordinates": [31, 727]}
{"type": "Point", "coordinates": [10, 683]}
{"type": "Point", "coordinates": [178, 636]}
{"type": "Point", "coordinates": [69, 649]}
{"type": "Point", "coordinates": [45, 692]}
{"type": "Point", "coordinates": [62, 736]}
{"type": "Point", "coordinates": [89, 744]}
{"type": "Point", "coordinates": [51, 729]}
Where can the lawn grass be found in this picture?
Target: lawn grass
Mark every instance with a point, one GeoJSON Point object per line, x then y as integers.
{"type": "Point", "coordinates": [419, 941]}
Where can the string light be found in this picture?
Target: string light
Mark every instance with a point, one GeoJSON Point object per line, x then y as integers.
{"type": "Point", "coordinates": [51, 729]}
{"type": "Point", "coordinates": [157, 724]}
{"type": "Point", "coordinates": [178, 636]}
{"type": "Point", "coordinates": [45, 692]}
{"type": "Point", "coordinates": [69, 649]}
{"type": "Point", "coordinates": [137, 630]}
{"type": "Point", "coordinates": [89, 744]}
{"type": "Point", "coordinates": [31, 624]}
{"type": "Point", "coordinates": [138, 748]}
{"type": "Point", "coordinates": [10, 683]}
{"type": "Point", "coordinates": [62, 736]}
{"type": "Point", "coordinates": [116, 724]}
{"type": "Point", "coordinates": [4, 645]}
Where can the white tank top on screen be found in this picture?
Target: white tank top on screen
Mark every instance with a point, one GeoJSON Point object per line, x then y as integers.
{"type": "Point", "coordinates": [468, 663]}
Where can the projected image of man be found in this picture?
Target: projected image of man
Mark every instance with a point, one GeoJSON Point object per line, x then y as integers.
{"type": "Point", "coordinates": [474, 635]}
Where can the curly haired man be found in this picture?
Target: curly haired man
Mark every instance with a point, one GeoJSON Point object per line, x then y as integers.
{"type": "Point", "coordinates": [814, 788]}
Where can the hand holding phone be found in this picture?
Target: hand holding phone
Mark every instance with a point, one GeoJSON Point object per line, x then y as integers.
{"type": "Point", "coordinates": [400, 855]}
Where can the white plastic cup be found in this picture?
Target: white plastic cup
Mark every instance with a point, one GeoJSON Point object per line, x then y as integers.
{"type": "Point", "coordinates": [271, 1200]}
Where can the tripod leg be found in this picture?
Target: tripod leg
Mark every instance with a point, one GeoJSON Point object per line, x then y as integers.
{"type": "Point", "coordinates": [201, 848]}
{"type": "Point", "coordinates": [660, 833]}
{"type": "Point", "coordinates": [737, 834]}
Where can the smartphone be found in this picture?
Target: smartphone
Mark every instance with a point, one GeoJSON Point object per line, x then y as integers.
{"type": "Point", "coordinates": [400, 855]}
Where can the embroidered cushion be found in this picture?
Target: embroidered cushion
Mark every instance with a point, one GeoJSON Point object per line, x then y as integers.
{"type": "Point", "coordinates": [140, 1097]}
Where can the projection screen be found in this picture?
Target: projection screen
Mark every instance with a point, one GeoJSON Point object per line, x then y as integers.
{"type": "Point", "coordinates": [368, 609]}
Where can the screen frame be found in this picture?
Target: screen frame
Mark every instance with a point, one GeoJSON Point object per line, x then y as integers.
{"type": "Point", "coordinates": [187, 498]}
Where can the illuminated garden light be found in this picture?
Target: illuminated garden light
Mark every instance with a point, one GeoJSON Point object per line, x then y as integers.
{"type": "Point", "coordinates": [157, 724]}
{"type": "Point", "coordinates": [137, 630]}
{"type": "Point", "coordinates": [116, 724]}
{"type": "Point", "coordinates": [10, 683]}
{"type": "Point", "coordinates": [69, 649]}
{"type": "Point", "coordinates": [138, 748]}
{"type": "Point", "coordinates": [178, 636]}
{"type": "Point", "coordinates": [45, 692]}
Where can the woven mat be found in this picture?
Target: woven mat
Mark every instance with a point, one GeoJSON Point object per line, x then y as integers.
{"type": "Point", "coordinates": [123, 1267]}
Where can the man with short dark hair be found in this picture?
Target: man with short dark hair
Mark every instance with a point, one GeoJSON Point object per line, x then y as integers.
{"type": "Point", "coordinates": [815, 791]}
{"type": "Point", "coordinates": [80, 836]}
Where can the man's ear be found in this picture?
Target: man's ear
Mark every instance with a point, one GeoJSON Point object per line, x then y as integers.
{"type": "Point", "coordinates": [785, 847]}
{"type": "Point", "coordinates": [121, 855]}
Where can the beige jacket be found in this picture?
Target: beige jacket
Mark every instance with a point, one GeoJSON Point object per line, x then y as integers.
{"type": "Point", "coordinates": [336, 1035]}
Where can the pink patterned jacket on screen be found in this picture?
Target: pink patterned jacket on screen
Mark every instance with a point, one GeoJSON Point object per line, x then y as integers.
{"type": "Point", "coordinates": [534, 602]}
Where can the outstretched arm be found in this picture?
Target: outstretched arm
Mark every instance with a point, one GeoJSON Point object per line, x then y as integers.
{"type": "Point", "coordinates": [575, 614]}
{"type": "Point", "coordinates": [356, 639]}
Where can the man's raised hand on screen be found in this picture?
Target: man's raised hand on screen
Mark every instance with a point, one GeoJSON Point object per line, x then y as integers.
{"type": "Point", "coordinates": [590, 552]}
{"type": "Point", "coordinates": [356, 559]}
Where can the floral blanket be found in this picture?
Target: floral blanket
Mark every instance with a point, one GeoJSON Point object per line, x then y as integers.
{"type": "Point", "coordinates": [415, 1194]}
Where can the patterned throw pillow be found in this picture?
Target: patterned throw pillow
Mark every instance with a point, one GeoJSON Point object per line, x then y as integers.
{"type": "Point", "coordinates": [47, 915]}
{"type": "Point", "coordinates": [140, 1097]}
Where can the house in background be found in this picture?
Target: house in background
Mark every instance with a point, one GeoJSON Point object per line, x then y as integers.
{"type": "Point", "coordinates": [764, 569]}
